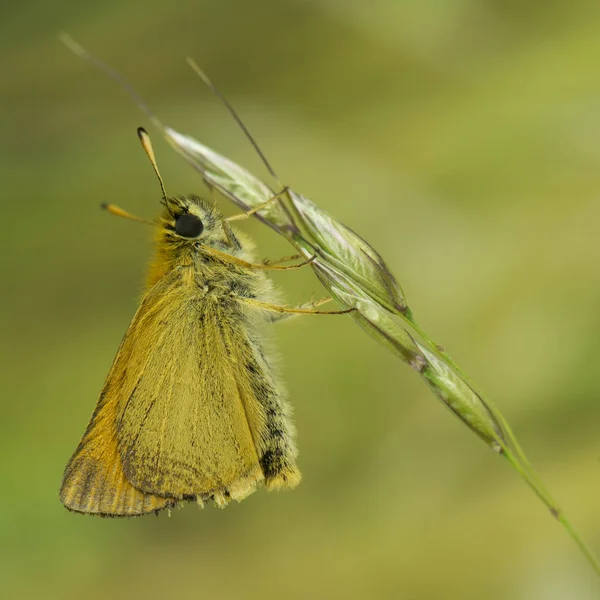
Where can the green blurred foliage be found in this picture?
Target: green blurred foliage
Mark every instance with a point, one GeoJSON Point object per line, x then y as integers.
{"type": "Point", "coordinates": [460, 137]}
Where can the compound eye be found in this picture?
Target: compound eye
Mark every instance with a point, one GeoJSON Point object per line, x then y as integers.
{"type": "Point", "coordinates": [188, 225]}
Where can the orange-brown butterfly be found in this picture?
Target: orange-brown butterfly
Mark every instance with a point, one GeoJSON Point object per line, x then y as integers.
{"type": "Point", "coordinates": [191, 408]}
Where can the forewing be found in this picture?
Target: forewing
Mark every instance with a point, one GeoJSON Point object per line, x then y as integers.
{"type": "Point", "coordinates": [187, 420]}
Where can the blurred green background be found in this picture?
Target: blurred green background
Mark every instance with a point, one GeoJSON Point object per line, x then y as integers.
{"type": "Point", "coordinates": [460, 137]}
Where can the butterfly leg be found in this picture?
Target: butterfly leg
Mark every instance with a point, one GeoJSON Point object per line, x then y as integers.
{"type": "Point", "coordinates": [254, 266]}
{"type": "Point", "coordinates": [275, 317]}
{"type": "Point", "coordinates": [257, 208]}
{"type": "Point", "coordinates": [279, 261]}
{"type": "Point", "coordinates": [276, 265]}
{"type": "Point", "coordinates": [298, 310]}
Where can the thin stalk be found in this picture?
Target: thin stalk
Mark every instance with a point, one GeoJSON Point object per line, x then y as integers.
{"type": "Point", "coordinates": [544, 495]}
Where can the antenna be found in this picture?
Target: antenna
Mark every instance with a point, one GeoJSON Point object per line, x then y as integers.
{"type": "Point", "coordinates": [234, 114]}
{"type": "Point", "coordinates": [147, 146]}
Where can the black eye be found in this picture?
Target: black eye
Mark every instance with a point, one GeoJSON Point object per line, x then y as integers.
{"type": "Point", "coordinates": [188, 225]}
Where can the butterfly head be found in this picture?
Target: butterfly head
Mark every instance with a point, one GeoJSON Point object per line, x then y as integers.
{"type": "Point", "coordinates": [191, 218]}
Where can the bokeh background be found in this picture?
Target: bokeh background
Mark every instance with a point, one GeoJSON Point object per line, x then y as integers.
{"type": "Point", "coordinates": [462, 138]}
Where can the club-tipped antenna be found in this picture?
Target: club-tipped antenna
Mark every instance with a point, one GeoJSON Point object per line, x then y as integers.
{"type": "Point", "coordinates": [234, 114]}
{"type": "Point", "coordinates": [70, 43]}
{"type": "Point", "coordinates": [147, 146]}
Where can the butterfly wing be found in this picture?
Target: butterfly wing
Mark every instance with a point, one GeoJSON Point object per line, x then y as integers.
{"type": "Point", "coordinates": [189, 410]}
{"type": "Point", "coordinates": [188, 423]}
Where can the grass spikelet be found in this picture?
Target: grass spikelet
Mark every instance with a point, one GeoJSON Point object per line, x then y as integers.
{"type": "Point", "coordinates": [356, 275]}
